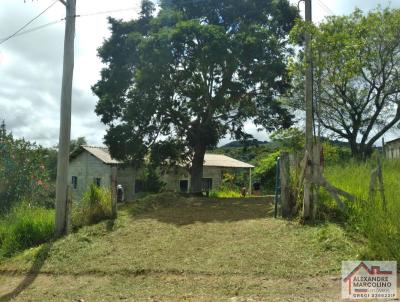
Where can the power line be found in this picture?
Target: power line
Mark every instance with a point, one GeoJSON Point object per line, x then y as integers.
{"type": "Point", "coordinates": [20, 32]}
{"type": "Point", "coordinates": [108, 12]}
{"type": "Point", "coordinates": [325, 7]}
{"type": "Point", "coordinates": [27, 24]}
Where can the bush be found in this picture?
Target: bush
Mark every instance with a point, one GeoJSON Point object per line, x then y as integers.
{"type": "Point", "coordinates": [25, 227]}
{"type": "Point", "coordinates": [266, 171]}
{"type": "Point", "coordinates": [225, 192]}
{"type": "Point", "coordinates": [94, 207]}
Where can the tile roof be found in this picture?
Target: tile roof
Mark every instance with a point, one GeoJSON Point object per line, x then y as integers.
{"type": "Point", "coordinates": [219, 160]}
{"type": "Point", "coordinates": [210, 160]}
{"type": "Point", "coordinates": [102, 154]}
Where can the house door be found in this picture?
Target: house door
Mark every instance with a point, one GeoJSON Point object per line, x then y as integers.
{"type": "Point", "coordinates": [207, 184]}
{"type": "Point", "coordinates": [184, 186]}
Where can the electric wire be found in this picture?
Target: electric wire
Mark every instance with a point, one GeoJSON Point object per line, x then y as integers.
{"type": "Point", "coordinates": [27, 24]}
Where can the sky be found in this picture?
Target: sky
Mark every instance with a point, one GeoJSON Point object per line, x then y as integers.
{"type": "Point", "coordinates": [31, 64]}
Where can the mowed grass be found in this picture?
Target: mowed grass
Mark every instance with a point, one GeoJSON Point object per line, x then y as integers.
{"type": "Point", "coordinates": [185, 249]}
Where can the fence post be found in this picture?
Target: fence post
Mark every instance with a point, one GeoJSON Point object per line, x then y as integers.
{"type": "Point", "coordinates": [317, 171]}
{"type": "Point", "coordinates": [284, 177]}
{"type": "Point", "coordinates": [277, 186]}
{"type": "Point", "coordinates": [69, 211]}
{"type": "Point", "coordinates": [114, 191]}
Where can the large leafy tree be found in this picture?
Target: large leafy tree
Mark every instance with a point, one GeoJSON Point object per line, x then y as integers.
{"type": "Point", "coordinates": [356, 61]}
{"type": "Point", "coordinates": [177, 82]}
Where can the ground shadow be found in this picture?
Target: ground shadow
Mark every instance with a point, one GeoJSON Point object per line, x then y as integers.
{"type": "Point", "coordinates": [185, 211]}
{"type": "Point", "coordinates": [31, 275]}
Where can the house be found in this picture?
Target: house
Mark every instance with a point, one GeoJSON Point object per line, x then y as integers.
{"type": "Point", "coordinates": [392, 149]}
{"type": "Point", "coordinates": [91, 164]}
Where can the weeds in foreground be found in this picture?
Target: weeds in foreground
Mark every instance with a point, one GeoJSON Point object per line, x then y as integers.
{"type": "Point", "coordinates": [379, 226]}
{"type": "Point", "coordinates": [25, 227]}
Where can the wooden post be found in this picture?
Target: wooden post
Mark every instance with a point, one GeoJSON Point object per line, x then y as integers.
{"type": "Point", "coordinates": [381, 184]}
{"type": "Point", "coordinates": [250, 187]}
{"type": "Point", "coordinates": [69, 210]}
{"type": "Point", "coordinates": [65, 120]}
{"type": "Point", "coordinates": [114, 191]}
{"type": "Point", "coordinates": [284, 177]}
{"type": "Point", "coordinates": [316, 170]}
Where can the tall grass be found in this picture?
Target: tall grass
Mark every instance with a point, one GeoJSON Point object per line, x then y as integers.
{"type": "Point", "coordinates": [380, 226]}
{"type": "Point", "coordinates": [94, 207]}
{"type": "Point", "coordinates": [25, 227]}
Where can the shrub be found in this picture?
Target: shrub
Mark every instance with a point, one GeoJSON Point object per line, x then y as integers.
{"type": "Point", "coordinates": [94, 207]}
{"type": "Point", "coordinates": [225, 192]}
{"type": "Point", "coordinates": [25, 227]}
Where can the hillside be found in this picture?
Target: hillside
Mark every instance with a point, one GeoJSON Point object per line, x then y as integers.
{"type": "Point", "coordinates": [185, 249]}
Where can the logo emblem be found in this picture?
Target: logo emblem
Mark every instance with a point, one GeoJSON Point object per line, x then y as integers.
{"type": "Point", "coordinates": [369, 279]}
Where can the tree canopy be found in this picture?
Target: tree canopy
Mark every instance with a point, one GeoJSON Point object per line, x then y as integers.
{"type": "Point", "coordinates": [23, 173]}
{"type": "Point", "coordinates": [177, 82]}
{"type": "Point", "coordinates": [356, 60]}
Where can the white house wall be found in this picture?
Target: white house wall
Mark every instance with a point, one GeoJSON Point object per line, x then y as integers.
{"type": "Point", "coordinates": [87, 168]}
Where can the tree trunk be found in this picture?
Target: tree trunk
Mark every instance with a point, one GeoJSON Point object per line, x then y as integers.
{"type": "Point", "coordinates": [196, 171]}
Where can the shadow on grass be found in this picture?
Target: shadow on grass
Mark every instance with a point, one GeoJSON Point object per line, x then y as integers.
{"type": "Point", "coordinates": [186, 211]}
{"type": "Point", "coordinates": [31, 275]}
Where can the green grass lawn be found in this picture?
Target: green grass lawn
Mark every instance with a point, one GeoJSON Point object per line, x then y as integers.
{"type": "Point", "coordinates": [185, 250]}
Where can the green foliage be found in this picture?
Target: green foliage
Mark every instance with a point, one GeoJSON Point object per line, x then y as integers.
{"type": "Point", "coordinates": [380, 227]}
{"type": "Point", "coordinates": [76, 143]}
{"type": "Point", "coordinates": [266, 170]}
{"type": "Point", "coordinates": [357, 75]}
{"type": "Point", "coordinates": [290, 140]}
{"type": "Point", "coordinates": [23, 174]}
{"type": "Point", "coordinates": [150, 181]}
{"type": "Point", "coordinates": [179, 81]}
{"type": "Point", "coordinates": [25, 227]}
{"type": "Point", "coordinates": [94, 207]}
{"type": "Point", "coordinates": [335, 154]}
{"type": "Point", "coordinates": [225, 192]}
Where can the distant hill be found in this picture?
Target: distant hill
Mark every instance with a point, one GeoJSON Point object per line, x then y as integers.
{"type": "Point", "coordinates": [239, 144]}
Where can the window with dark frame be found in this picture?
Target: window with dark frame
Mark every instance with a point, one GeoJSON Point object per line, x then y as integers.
{"type": "Point", "coordinates": [74, 182]}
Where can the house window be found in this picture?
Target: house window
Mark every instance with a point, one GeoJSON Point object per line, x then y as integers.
{"type": "Point", "coordinates": [97, 182]}
{"type": "Point", "coordinates": [74, 182]}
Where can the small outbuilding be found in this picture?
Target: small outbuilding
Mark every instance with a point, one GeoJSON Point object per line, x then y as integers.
{"type": "Point", "coordinates": [392, 149]}
{"type": "Point", "coordinates": [91, 164]}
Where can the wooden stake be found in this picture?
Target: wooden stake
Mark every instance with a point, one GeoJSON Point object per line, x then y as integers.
{"type": "Point", "coordinates": [285, 177]}
{"type": "Point", "coordinates": [114, 191]}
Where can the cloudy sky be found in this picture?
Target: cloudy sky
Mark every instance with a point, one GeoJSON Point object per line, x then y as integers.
{"type": "Point", "coordinates": [31, 64]}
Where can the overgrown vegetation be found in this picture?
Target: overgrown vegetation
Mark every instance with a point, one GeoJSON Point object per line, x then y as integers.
{"type": "Point", "coordinates": [369, 218]}
{"type": "Point", "coordinates": [225, 192]}
{"type": "Point", "coordinates": [94, 207]}
{"type": "Point", "coordinates": [25, 227]}
{"type": "Point", "coordinates": [23, 174]}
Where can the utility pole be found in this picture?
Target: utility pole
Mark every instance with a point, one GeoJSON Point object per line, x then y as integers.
{"type": "Point", "coordinates": [65, 119]}
{"type": "Point", "coordinates": [309, 116]}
